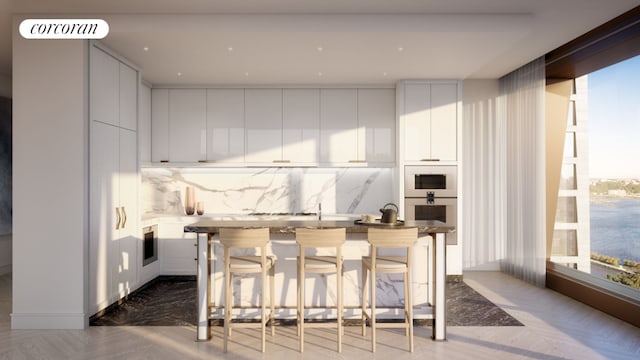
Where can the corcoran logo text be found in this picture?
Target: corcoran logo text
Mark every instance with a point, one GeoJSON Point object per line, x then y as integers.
{"type": "Point", "coordinates": [64, 28]}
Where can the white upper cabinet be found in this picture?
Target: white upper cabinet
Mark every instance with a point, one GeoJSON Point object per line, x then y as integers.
{"type": "Point", "coordinates": [274, 126]}
{"type": "Point", "coordinates": [144, 124]}
{"type": "Point", "coordinates": [377, 125]}
{"type": "Point", "coordinates": [444, 121]}
{"type": "Point", "coordinates": [159, 125]}
{"type": "Point", "coordinates": [430, 121]}
{"type": "Point", "coordinates": [338, 125]}
{"type": "Point", "coordinates": [187, 125]}
{"type": "Point", "coordinates": [301, 125]}
{"type": "Point", "coordinates": [113, 91]}
{"type": "Point", "coordinates": [225, 125]}
{"type": "Point", "coordinates": [263, 125]}
{"type": "Point", "coordinates": [128, 97]}
{"type": "Point", "coordinates": [104, 93]}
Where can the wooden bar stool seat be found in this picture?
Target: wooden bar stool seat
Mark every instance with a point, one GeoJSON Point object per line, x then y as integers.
{"type": "Point", "coordinates": [255, 238]}
{"type": "Point", "coordinates": [382, 238]}
{"type": "Point", "coordinates": [320, 238]}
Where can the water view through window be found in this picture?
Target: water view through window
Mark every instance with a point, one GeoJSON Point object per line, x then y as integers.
{"type": "Point", "coordinates": [614, 171]}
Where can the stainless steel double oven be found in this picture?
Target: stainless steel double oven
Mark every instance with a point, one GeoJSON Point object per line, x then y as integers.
{"type": "Point", "coordinates": [431, 194]}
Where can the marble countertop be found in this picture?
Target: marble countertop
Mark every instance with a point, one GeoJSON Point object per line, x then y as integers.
{"type": "Point", "coordinates": [289, 226]}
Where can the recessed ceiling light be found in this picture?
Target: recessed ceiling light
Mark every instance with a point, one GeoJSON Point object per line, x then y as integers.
{"type": "Point", "coordinates": [319, 73]}
{"type": "Point", "coordinates": [400, 48]}
{"type": "Point", "coordinates": [246, 73]}
{"type": "Point", "coordinates": [146, 48]}
{"type": "Point", "coordinates": [230, 49]}
{"type": "Point", "coordinates": [384, 74]}
{"type": "Point", "coordinates": [320, 48]}
{"type": "Point", "coordinates": [179, 73]}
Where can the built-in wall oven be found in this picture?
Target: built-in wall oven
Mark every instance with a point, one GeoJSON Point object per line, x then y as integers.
{"type": "Point", "coordinates": [431, 194]}
{"type": "Point", "coordinates": [149, 244]}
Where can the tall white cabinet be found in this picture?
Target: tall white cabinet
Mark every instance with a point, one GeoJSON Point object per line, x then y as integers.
{"type": "Point", "coordinates": [114, 178]}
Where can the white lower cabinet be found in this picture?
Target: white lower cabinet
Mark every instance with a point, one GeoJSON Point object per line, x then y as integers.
{"type": "Point", "coordinates": [178, 250]}
{"type": "Point", "coordinates": [114, 231]}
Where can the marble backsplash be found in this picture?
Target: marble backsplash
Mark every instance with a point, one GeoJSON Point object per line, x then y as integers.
{"type": "Point", "coordinates": [267, 190]}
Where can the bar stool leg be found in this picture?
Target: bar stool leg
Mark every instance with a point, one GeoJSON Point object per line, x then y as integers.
{"type": "Point", "coordinates": [364, 298]}
{"type": "Point", "coordinates": [272, 272]}
{"type": "Point", "coordinates": [227, 306]}
{"type": "Point", "coordinates": [373, 309]}
{"type": "Point", "coordinates": [301, 306]}
{"type": "Point", "coordinates": [340, 304]}
{"type": "Point", "coordinates": [263, 308]}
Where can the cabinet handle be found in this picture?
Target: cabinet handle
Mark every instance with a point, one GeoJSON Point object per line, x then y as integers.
{"type": "Point", "coordinates": [281, 161]}
{"type": "Point", "coordinates": [164, 161]}
{"type": "Point", "coordinates": [429, 159]}
{"type": "Point", "coordinates": [206, 161]}
{"type": "Point", "coordinates": [117, 218]}
{"type": "Point", "coordinates": [124, 215]}
{"type": "Point", "coordinates": [357, 161]}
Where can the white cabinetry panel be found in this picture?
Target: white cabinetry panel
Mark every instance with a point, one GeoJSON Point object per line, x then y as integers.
{"type": "Point", "coordinates": [144, 124]}
{"type": "Point", "coordinates": [187, 125]}
{"type": "Point", "coordinates": [177, 250]}
{"type": "Point", "coordinates": [104, 71]}
{"type": "Point", "coordinates": [159, 125]}
{"type": "Point", "coordinates": [338, 125]}
{"type": "Point", "coordinates": [377, 125]}
{"type": "Point", "coordinates": [114, 229]}
{"type": "Point", "coordinates": [301, 125]}
{"type": "Point", "coordinates": [104, 190]}
{"type": "Point", "coordinates": [430, 121]}
{"type": "Point", "coordinates": [444, 109]}
{"type": "Point", "coordinates": [113, 180]}
{"type": "Point", "coordinates": [128, 98]}
{"type": "Point", "coordinates": [225, 125]}
{"type": "Point", "coordinates": [263, 121]}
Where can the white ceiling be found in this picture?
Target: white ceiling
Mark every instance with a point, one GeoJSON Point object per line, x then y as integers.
{"type": "Point", "coordinates": [277, 41]}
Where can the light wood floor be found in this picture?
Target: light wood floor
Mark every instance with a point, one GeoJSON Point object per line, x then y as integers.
{"type": "Point", "coordinates": [556, 327]}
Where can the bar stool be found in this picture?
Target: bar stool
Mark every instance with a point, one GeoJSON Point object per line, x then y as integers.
{"type": "Point", "coordinates": [320, 238]}
{"type": "Point", "coordinates": [244, 238]}
{"type": "Point", "coordinates": [381, 238]}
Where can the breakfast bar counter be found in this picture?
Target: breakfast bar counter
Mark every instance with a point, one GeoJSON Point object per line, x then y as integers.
{"type": "Point", "coordinates": [432, 235]}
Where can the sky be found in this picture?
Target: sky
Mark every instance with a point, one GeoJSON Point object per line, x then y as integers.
{"type": "Point", "coordinates": [614, 121]}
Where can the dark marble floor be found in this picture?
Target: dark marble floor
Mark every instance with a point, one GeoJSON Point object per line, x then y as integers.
{"type": "Point", "coordinates": [171, 301]}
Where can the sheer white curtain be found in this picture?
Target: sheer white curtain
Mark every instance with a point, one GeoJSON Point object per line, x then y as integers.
{"type": "Point", "coordinates": [521, 108]}
{"type": "Point", "coordinates": [484, 142]}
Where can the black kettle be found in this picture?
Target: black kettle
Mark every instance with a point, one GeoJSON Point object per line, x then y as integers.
{"type": "Point", "coordinates": [389, 216]}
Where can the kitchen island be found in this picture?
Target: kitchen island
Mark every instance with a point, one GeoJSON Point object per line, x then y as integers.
{"type": "Point", "coordinates": [432, 235]}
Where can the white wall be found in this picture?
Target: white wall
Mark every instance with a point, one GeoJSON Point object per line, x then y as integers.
{"type": "Point", "coordinates": [5, 86]}
{"type": "Point", "coordinates": [50, 196]}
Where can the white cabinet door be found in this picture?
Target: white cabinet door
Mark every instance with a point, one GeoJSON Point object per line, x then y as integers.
{"type": "Point", "coordinates": [377, 125]}
{"type": "Point", "coordinates": [263, 125]}
{"type": "Point", "coordinates": [177, 250]}
{"type": "Point", "coordinates": [430, 121]}
{"type": "Point", "coordinates": [104, 72]}
{"type": "Point", "coordinates": [187, 125]}
{"type": "Point", "coordinates": [444, 115]}
{"type": "Point", "coordinates": [144, 124]}
{"type": "Point", "coordinates": [128, 97]}
{"type": "Point", "coordinates": [129, 234]}
{"type": "Point", "coordinates": [103, 198]}
{"type": "Point", "coordinates": [301, 125]}
{"type": "Point", "coordinates": [159, 125]}
{"type": "Point", "coordinates": [338, 125]}
{"type": "Point", "coordinates": [417, 122]}
{"type": "Point", "coordinates": [225, 125]}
